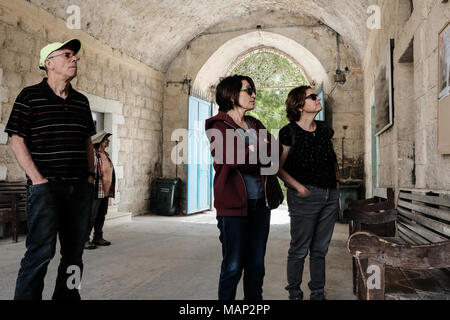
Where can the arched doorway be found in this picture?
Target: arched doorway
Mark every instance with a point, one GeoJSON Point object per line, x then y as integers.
{"type": "Point", "coordinates": [234, 50]}
{"type": "Point", "coordinates": [221, 63]}
{"type": "Point", "coordinates": [275, 74]}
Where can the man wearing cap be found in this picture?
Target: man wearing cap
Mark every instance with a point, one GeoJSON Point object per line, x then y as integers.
{"type": "Point", "coordinates": [50, 128]}
{"type": "Point", "coordinates": [105, 181]}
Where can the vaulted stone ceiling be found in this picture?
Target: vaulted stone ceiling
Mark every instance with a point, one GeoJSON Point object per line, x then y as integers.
{"type": "Point", "coordinates": [154, 31]}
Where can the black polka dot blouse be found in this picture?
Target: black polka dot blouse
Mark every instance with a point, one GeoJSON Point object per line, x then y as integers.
{"type": "Point", "coordinates": [311, 160]}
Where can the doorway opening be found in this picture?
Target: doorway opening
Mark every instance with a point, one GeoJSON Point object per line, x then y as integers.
{"type": "Point", "coordinates": [274, 75]}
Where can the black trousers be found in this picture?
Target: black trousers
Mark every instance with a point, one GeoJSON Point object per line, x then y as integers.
{"type": "Point", "coordinates": [99, 211]}
{"type": "Point", "coordinates": [55, 209]}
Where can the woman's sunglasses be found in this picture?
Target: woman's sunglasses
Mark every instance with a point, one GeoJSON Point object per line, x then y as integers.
{"type": "Point", "coordinates": [312, 96]}
{"type": "Point", "coordinates": [249, 90]}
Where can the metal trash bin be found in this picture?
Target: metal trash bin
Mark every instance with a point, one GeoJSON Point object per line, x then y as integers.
{"type": "Point", "coordinates": [164, 196]}
{"type": "Point", "coordinates": [346, 192]}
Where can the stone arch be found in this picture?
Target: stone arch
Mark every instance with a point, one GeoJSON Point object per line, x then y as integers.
{"type": "Point", "coordinates": [220, 62]}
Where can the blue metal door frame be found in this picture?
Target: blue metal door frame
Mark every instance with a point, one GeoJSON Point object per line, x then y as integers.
{"type": "Point", "coordinates": [199, 168]}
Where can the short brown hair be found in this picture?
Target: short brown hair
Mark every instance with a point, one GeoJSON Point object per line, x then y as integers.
{"type": "Point", "coordinates": [228, 91]}
{"type": "Point", "coordinates": [296, 99]}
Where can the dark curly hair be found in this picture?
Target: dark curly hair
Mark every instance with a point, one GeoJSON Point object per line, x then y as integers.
{"type": "Point", "coordinates": [295, 100]}
{"type": "Point", "coordinates": [228, 90]}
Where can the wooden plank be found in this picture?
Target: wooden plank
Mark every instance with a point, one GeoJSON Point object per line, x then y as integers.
{"type": "Point", "coordinates": [427, 234]}
{"type": "Point", "coordinates": [363, 245]}
{"type": "Point", "coordinates": [434, 212]}
{"type": "Point", "coordinates": [434, 225]}
{"type": "Point", "coordinates": [416, 238]}
{"type": "Point", "coordinates": [381, 229]}
{"type": "Point", "coordinates": [437, 213]}
{"type": "Point", "coordinates": [396, 240]}
{"type": "Point", "coordinates": [440, 201]}
{"type": "Point", "coordinates": [370, 206]}
{"type": "Point", "coordinates": [371, 217]}
{"type": "Point", "coordinates": [406, 238]}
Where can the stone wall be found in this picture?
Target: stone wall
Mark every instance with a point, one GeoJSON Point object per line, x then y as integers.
{"type": "Point", "coordinates": [127, 91]}
{"type": "Point", "coordinates": [143, 111]}
{"type": "Point", "coordinates": [408, 156]}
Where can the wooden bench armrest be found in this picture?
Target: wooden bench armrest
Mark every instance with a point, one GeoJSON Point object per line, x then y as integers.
{"type": "Point", "coordinates": [362, 202]}
{"type": "Point", "coordinates": [370, 217]}
{"type": "Point", "coordinates": [372, 206]}
{"type": "Point", "coordinates": [366, 245]}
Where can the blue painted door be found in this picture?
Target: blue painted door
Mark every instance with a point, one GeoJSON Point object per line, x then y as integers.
{"type": "Point", "coordinates": [199, 187]}
{"type": "Point", "coordinates": [321, 115]}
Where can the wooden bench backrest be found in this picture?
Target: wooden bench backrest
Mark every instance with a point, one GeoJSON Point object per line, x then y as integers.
{"type": "Point", "coordinates": [14, 188]}
{"type": "Point", "coordinates": [423, 218]}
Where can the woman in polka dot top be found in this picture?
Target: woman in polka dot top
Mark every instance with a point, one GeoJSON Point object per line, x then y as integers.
{"type": "Point", "coordinates": [308, 168]}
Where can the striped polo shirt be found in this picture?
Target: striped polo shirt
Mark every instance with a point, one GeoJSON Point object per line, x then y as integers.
{"type": "Point", "coordinates": [54, 130]}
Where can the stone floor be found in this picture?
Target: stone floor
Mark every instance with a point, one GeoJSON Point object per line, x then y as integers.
{"type": "Point", "coordinates": [177, 258]}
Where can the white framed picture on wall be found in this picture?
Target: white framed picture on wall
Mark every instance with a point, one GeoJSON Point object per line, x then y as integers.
{"type": "Point", "coordinates": [384, 91]}
{"type": "Point", "coordinates": [443, 129]}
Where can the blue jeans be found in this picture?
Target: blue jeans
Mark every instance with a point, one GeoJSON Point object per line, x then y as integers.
{"type": "Point", "coordinates": [243, 249]}
{"type": "Point", "coordinates": [54, 208]}
{"type": "Point", "coordinates": [312, 224]}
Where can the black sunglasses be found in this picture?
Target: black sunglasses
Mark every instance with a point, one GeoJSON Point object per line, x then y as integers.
{"type": "Point", "coordinates": [312, 96]}
{"type": "Point", "coordinates": [249, 90]}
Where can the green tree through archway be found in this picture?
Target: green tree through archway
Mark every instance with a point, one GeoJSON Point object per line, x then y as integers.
{"type": "Point", "coordinates": [274, 77]}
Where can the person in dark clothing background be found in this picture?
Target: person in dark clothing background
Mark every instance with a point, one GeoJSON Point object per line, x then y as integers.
{"type": "Point", "coordinates": [105, 185]}
{"type": "Point", "coordinates": [308, 168]}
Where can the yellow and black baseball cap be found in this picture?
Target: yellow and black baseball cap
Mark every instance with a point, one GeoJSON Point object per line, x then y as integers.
{"type": "Point", "coordinates": [74, 44]}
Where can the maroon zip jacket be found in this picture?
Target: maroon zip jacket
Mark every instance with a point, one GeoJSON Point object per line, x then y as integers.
{"type": "Point", "coordinates": [230, 195]}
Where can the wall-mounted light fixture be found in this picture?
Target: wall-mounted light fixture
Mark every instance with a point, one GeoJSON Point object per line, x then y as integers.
{"type": "Point", "coordinates": [339, 77]}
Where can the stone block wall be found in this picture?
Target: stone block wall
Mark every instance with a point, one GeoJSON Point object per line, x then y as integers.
{"type": "Point", "coordinates": [408, 150]}
{"type": "Point", "coordinates": [126, 89]}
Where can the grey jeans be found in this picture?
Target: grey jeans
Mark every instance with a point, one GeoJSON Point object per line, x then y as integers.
{"type": "Point", "coordinates": [312, 225]}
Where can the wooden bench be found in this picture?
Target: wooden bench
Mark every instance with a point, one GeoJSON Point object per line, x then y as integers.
{"type": "Point", "coordinates": [415, 263]}
{"type": "Point", "coordinates": [376, 215]}
{"type": "Point", "coordinates": [12, 205]}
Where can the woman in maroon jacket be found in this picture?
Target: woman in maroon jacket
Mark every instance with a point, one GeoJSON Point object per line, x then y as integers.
{"type": "Point", "coordinates": [239, 187]}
